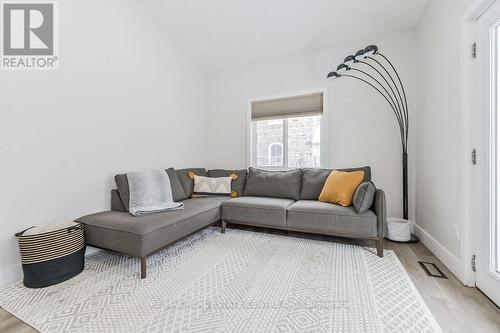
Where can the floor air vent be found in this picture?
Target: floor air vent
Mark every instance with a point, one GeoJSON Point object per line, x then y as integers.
{"type": "Point", "coordinates": [432, 270]}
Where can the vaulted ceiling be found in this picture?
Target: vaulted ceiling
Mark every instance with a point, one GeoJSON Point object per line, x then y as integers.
{"type": "Point", "coordinates": [217, 34]}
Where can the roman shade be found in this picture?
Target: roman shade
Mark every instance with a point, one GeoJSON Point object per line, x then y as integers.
{"type": "Point", "coordinates": [288, 107]}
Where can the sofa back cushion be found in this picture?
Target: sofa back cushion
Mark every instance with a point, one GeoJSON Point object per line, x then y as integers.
{"type": "Point", "coordinates": [236, 185]}
{"type": "Point", "coordinates": [122, 186]}
{"type": "Point", "coordinates": [313, 180]}
{"type": "Point", "coordinates": [188, 183]}
{"type": "Point", "coordinates": [274, 184]}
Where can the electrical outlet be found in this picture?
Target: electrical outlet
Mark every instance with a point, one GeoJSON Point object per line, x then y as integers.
{"type": "Point", "coordinates": [457, 231]}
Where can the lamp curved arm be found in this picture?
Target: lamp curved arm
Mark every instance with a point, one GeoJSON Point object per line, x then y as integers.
{"type": "Point", "coordinates": [398, 115]}
{"type": "Point", "coordinates": [405, 105]}
{"type": "Point", "coordinates": [401, 83]}
{"type": "Point", "coordinates": [403, 143]}
{"type": "Point", "coordinates": [400, 105]}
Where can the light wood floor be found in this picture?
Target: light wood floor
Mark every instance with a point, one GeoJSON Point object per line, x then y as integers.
{"type": "Point", "coordinates": [456, 308]}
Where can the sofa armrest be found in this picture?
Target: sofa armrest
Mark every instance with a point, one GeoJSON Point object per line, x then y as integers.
{"type": "Point", "coordinates": [379, 207]}
{"type": "Point", "coordinates": [116, 202]}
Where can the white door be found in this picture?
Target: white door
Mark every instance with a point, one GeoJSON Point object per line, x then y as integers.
{"type": "Point", "coordinates": [487, 137]}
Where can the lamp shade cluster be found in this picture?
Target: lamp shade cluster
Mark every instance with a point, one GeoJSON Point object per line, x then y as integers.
{"type": "Point", "coordinates": [374, 69]}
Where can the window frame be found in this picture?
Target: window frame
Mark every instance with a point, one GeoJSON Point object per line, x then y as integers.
{"type": "Point", "coordinates": [252, 135]}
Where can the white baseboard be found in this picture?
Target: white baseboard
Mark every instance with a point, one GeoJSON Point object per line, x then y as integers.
{"type": "Point", "coordinates": [447, 258]}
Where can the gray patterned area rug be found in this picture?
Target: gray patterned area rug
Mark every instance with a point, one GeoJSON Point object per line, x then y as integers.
{"type": "Point", "coordinates": [240, 281]}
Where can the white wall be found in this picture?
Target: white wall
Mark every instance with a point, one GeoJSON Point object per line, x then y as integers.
{"type": "Point", "coordinates": [361, 128]}
{"type": "Point", "coordinates": [438, 130]}
{"type": "Point", "coordinates": [124, 99]}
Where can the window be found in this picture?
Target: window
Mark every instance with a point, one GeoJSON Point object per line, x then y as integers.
{"type": "Point", "coordinates": [286, 132]}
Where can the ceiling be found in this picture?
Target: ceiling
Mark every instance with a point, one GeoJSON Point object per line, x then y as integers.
{"type": "Point", "coordinates": [218, 34]}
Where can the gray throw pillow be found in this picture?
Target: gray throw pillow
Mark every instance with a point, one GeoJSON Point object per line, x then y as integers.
{"type": "Point", "coordinates": [363, 197]}
{"type": "Point", "coordinates": [313, 180]}
{"type": "Point", "coordinates": [122, 186]}
{"type": "Point", "coordinates": [236, 185]}
{"type": "Point", "coordinates": [116, 202]}
{"type": "Point", "coordinates": [177, 190]}
{"type": "Point", "coordinates": [274, 184]}
{"type": "Point", "coordinates": [186, 182]}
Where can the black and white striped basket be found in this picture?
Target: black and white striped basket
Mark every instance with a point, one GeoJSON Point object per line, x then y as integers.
{"type": "Point", "coordinates": [51, 254]}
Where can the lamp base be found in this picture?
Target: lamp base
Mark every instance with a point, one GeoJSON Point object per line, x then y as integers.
{"type": "Point", "coordinates": [413, 239]}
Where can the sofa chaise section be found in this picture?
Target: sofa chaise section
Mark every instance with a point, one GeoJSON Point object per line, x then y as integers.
{"type": "Point", "coordinates": [141, 236]}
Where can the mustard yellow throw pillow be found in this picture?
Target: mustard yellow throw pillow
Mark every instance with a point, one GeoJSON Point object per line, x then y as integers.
{"type": "Point", "coordinates": [340, 186]}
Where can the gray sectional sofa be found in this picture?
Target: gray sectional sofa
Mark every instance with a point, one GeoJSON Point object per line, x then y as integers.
{"type": "Point", "coordinates": [286, 200]}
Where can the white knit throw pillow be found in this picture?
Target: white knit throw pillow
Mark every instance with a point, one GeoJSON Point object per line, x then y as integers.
{"type": "Point", "coordinates": [208, 185]}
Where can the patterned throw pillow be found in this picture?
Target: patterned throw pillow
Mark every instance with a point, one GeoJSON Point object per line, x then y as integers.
{"type": "Point", "coordinates": [239, 179]}
{"type": "Point", "coordinates": [211, 186]}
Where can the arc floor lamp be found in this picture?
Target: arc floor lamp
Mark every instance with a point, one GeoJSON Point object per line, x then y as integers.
{"type": "Point", "coordinates": [371, 67]}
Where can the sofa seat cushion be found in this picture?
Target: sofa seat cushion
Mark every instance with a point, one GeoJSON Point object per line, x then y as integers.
{"type": "Point", "coordinates": [142, 235]}
{"type": "Point", "coordinates": [260, 211]}
{"type": "Point", "coordinates": [321, 217]}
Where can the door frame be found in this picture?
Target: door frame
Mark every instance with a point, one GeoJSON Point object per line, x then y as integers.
{"type": "Point", "coordinates": [469, 81]}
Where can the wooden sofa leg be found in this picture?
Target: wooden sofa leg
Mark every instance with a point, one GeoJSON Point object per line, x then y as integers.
{"type": "Point", "coordinates": [380, 247]}
{"type": "Point", "coordinates": [223, 226]}
{"type": "Point", "coordinates": [143, 267]}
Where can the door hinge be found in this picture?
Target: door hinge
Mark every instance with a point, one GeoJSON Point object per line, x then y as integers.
{"type": "Point", "coordinates": [474, 156]}
{"type": "Point", "coordinates": [473, 263]}
{"type": "Point", "coordinates": [474, 51]}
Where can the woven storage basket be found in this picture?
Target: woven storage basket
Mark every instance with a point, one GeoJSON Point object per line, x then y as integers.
{"type": "Point", "coordinates": [52, 253]}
